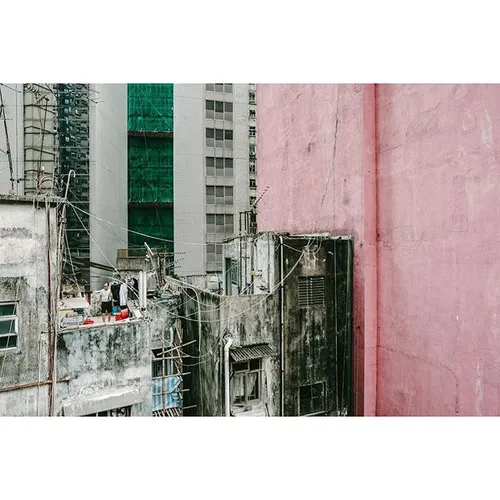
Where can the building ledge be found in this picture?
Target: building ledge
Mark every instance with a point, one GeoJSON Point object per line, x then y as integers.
{"type": "Point", "coordinates": [150, 133]}
{"type": "Point", "coordinates": [150, 204]}
{"type": "Point", "coordinates": [14, 198]}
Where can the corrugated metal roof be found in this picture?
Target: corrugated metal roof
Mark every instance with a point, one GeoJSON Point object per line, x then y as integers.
{"type": "Point", "coordinates": [251, 352]}
{"type": "Point", "coordinates": [169, 412]}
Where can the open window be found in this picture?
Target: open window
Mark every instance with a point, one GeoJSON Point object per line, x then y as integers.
{"type": "Point", "coordinates": [246, 382]}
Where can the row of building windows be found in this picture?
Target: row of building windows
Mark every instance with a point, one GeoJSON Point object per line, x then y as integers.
{"type": "Point", "coordinates": [219, 195]}
{"type": "Point", "coordinates": [220, 167]}
{"type": "Point", "coordinates": [219, 87]}
{"type": "Point", "coordinates": [219, 138]}
{"type": "Point", "coordinates": [220, 110]}
{"type": "Point", "coordinates": [214, 253]}
{"type": "Point", "coordinates": [220, 223]}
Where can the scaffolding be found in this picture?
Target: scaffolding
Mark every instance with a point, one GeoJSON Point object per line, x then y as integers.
{"type": "Point", "coordinates": [40, 139]}
{"type": "Point", "coordinates": [150, 164]}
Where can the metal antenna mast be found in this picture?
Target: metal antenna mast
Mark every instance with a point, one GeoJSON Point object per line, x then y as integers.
{"type": "Point", "coordinates": [9, 156]}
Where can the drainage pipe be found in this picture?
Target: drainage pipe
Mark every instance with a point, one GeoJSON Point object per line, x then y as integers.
{"type": "Point", "coordinates": [229, 343]}
{"type": "Point", "coordinates": [282, 330]}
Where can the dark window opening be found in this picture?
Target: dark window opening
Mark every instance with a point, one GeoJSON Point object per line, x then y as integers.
{"type": "Point", "coordinates": [312, 399]}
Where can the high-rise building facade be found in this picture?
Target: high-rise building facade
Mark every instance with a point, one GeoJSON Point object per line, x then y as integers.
{"type": "Point", "coordinates": [214, 171]}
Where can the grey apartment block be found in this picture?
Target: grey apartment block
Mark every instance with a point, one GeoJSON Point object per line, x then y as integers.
{"type": "Point", "coordinates": [214, 169]}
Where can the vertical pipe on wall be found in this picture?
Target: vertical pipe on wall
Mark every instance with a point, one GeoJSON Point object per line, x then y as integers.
{"type": "Point", "coordinates": [227, 405]}
{"type": "Point", "coordinates": [282, 331]}
{"type": "Point", "coordinates": [50, 311]}
{"type": "Point", "coordinates": [370, 251]}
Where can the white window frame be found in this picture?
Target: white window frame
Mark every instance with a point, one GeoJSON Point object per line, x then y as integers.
{"type": "Point", "coordinates": [245, 374]}
{"type": "Point", "coordinates": [10, 317]}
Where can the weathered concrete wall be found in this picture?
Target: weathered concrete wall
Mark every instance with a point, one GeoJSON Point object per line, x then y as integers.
{"type": "Point", "coordinates": [110, 357]}
{"type": "Point", "coordinates": [203, 361]}
{"type": "Point", "coordinates": [256, 266]}
{"type": "Point", "coordinates": [251, 320]}
{"type": "Point", "coordinates": [435, 187]}
{"type": "Point", "coordinates": [311, 156]}
{"type": "Point", "coordinates": [24, 277]}
{"type": "Point", "coordinates": [318, 339]}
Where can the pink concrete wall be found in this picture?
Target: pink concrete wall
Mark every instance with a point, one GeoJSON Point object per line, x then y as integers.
{"type": "Point", "coordinates": [439, 265]}
{"type": "Point", "coordinates": [437, 211]}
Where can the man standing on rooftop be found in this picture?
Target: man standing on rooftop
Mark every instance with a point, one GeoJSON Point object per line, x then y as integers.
{"type": "Point", "coordinates": [106, 303]}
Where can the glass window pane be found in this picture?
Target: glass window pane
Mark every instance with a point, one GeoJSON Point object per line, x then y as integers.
{"type": "Point", "coordinates": [219, 134]}
{"type": "Point", "coordinates": [228, 87]}
{"type": "Point", "coordinates": [210, 133]}
{"type": "Point", "coordinates": [255, 364]}
{"type": "Point", "coordinates": [210, 86]}
{"type": "Point", "coordinates": [219, 106]}
{"type": "Point", "coordinates": [240, 366]}
{"type": "Point", "coordinates": [7, 326]}
{"type": "Point", "coordinates": [228, 107]}
{"type": "Point", "coordinates": [8, 341]}
{"type": "Point", "coordinates": [219, 87]}
{"type": "Point", "coordinates": [210, 162]}
{"type": "Point", "coordinates": [228, 162]}
{"type": "Point", "coordinates": [210, 195]}
{"type": "Point", "coordinates": [219, 191]}
{"type": "Point", "coordinates": [228, 134]}
{"type": "Point", "coordinates": [7, 309]}
{"type": "Point", "coordinates": [209, 105]}
{"type": "Point", "coordinates": [219, 165]}
{"type": "Point", "coordinates": [252, 386]}
{"type": "Point", "coordinates": [229, 226]}
{"type": "Point", "coordinates": [239, 389]}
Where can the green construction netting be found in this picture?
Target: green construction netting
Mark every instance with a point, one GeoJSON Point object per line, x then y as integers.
{"type": "Point", "coordinates": [151, 107]}
{"type": "Point", "coordinates": [150, 170]}
{"type": "Point", "coordinates": [158, 222]}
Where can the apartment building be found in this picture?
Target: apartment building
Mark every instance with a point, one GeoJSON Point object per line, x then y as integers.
{"type": "Point", "coordinates": [214, 171]}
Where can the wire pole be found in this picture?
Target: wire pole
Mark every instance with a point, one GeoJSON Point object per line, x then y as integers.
{"type": "Point", "coordinates": [58, 291]}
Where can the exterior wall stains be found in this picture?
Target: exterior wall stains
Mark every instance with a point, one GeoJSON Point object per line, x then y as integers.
{"type": "Point", "coordinates": [106, 359]}
{"type": "Point", "coordinates": [436, 149]}
{"type": "Point", "coordinates": [201, 326]}
{"type": "Point", "coordinates": [24, 279]}
{"type": "Point", "coordinates": [311, 155]}
{"type": "Point", "coordinates": [318, 338]}
{"type": "Point", "coordinates": [253, 320]}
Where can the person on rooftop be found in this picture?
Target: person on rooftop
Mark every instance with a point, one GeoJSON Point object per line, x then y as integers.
{"type": "Point", "coordinates": [106, 303]}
